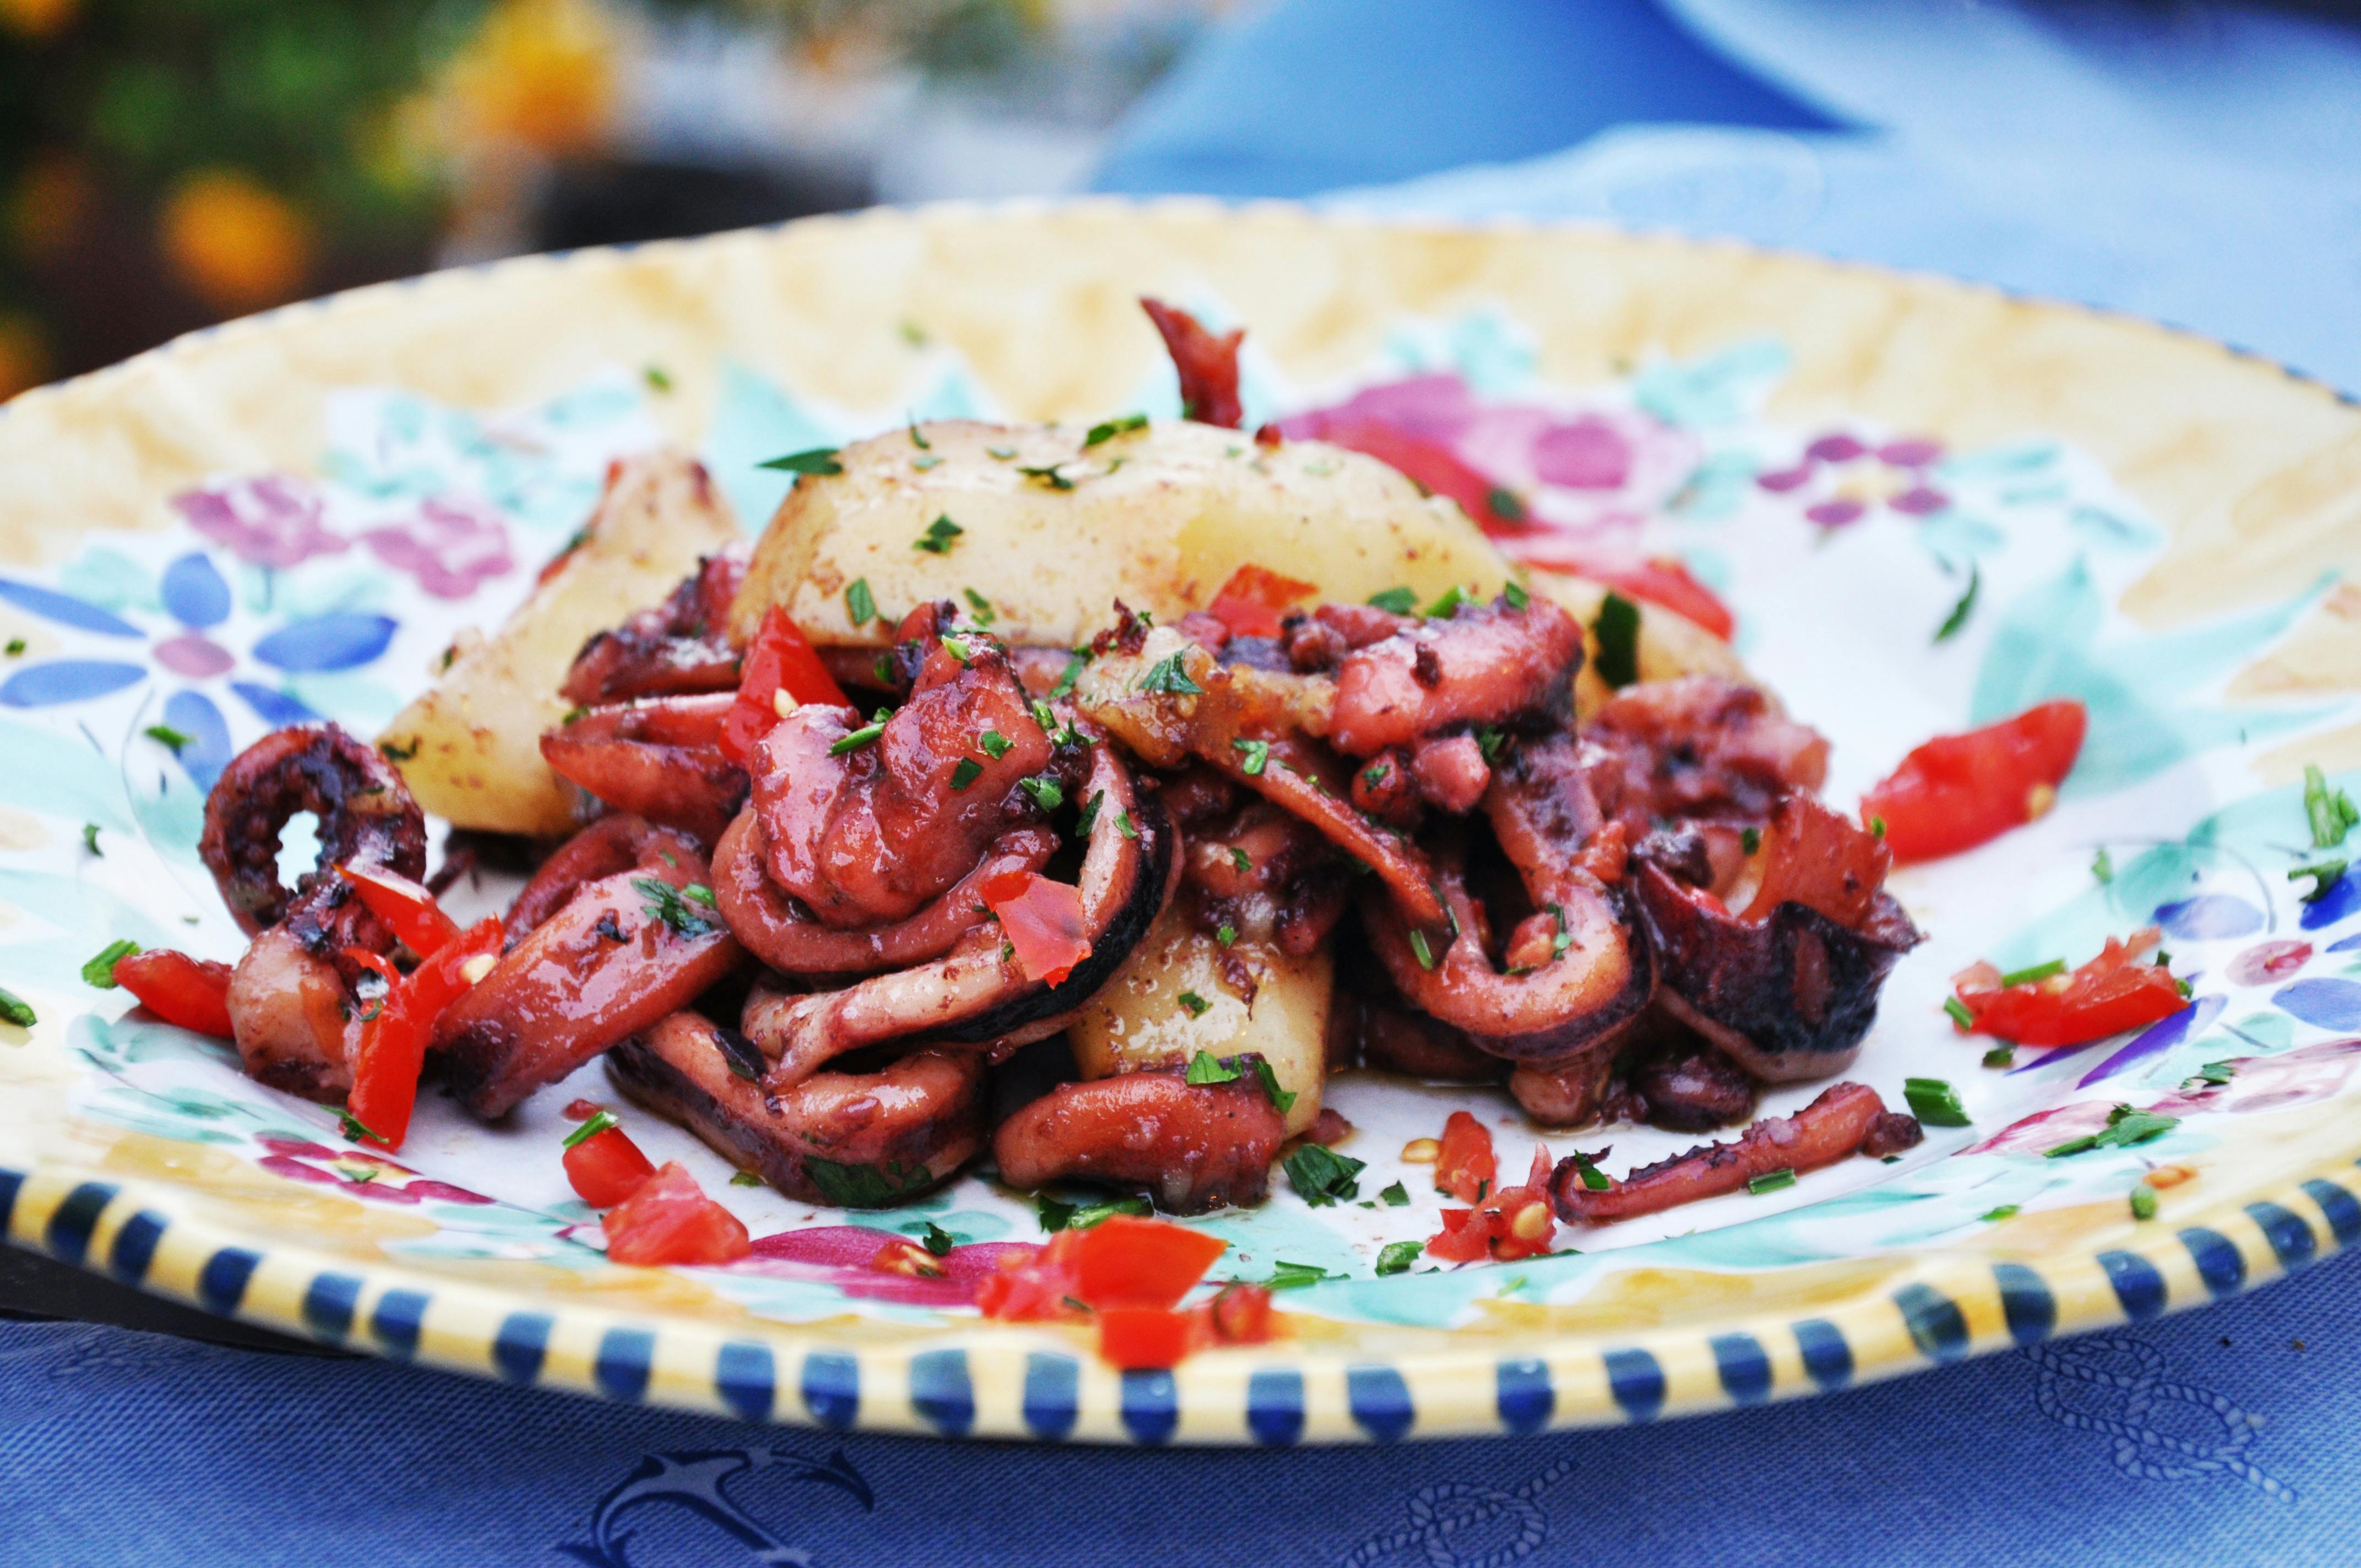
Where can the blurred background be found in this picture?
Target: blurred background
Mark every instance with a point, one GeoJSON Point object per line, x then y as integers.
{"type": "Point", "coordinates": [167, 163]}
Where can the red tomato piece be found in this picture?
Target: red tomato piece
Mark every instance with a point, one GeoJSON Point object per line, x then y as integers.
{"type": "Point", "coordinates": [1141, 1338]}
{"type": "Point", "coordinates": [1206, 364]}
{"type": "Point", "coordinates": [582, 1110]}
{"type": "Point", "coordinates": [1958, 791]}
{"type": "Point", "coordinates": [1514, 1223]}
{"type": "Point", "coordinates": [670, 1220]}
{"type": "Point", "coordinates": [899, 1255]}
{"type": "Point", "coordinates": [1035, 1285]}
{"type": "Point", "coordinates": [392, 1049]}
{"type": "Point", "coordinates": [191, 993]}
{"type": "Point", "coordinates": [606, 1167]}
{"type": "Point", "coordinates": [2113, 992]}
{"type": "Point", "coordinates": [1653, 579]}
{"type": "Point", "coordinates": [404, 905]}
{"type": "Point", "coordinates": [1251, 603]}
{"type": "Point", "coordinates": [780, 659]}
{"type": "Point", "coordinates": [1462, 1239]}
{"type": "Point", "coordinates": [1465, 1168]}
{"type": "Point", "coordinates": [1241, 1314]}
{"type": "Point", "coordinates": [1148, 1263]}
{"type": "Point", "coordinates": [1042, 920]}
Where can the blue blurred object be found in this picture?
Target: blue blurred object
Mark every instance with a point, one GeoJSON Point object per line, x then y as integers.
{"type": "Point", "coordinates": [1311, 94]}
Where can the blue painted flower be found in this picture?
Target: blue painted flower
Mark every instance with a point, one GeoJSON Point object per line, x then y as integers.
{"type": "Point", "coordinates": [196, 598]}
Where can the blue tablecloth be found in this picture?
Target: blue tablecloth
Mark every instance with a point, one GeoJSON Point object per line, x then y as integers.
{"type": "Point", "coordinates": [2191, 163]}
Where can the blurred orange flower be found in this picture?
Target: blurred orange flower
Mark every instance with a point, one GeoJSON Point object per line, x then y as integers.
{"type": "Point", "coordinates": [234, 244]}
{"type": "Point", "coordinates": [24, 355]}
{"type": "Point", "coordinates": [539, 72]}
{"type": "Point", "coordinates": [36, 18]}
{"type": "Point", "coordinates": [50, 204]}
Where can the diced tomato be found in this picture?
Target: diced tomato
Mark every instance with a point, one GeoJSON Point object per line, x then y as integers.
{"type": "Point", "coordinates": [1206, 364]}
{"type": "Point", "coordinates": [404, 905]}
{"type": "Point", "coordinates": [1465, 1168]}
{"type": "Point", "coordinates": [1252, 601]}
{"type": "Point", "coordinates": [393, 1048]}
{"type": "Point", "coordinates": [780, 659]}
{"type": "Point", "coordinates": [1514, 1223]}
{"type": "Point", "coordinates": [1958, 791]}
{"type": "Point", "coordinates": [1139, 1338]}
{"type": "Point", "coordinates": [191, 993]}
{"type": "Point", "coordinates": [1035, 1285]}
{"type": "Point", "coordinates": [899, 1255]}
{"type": "Point", "coordinates": [582, 1110]}
{"type": "Point", "coordinates": [1042, 920]}
{"type": "Point", "coordinates": [2115, 992]}
{"type": "Point", "coordinates": [1133, 1262]}
{"type": "Point", "coordinates": [670, 1220]}
{"type": "Point", "coordinates": [1653, 579]}
{"type": "Point", "coordinates": [1241, 1314]}
{"type": "Point", "coordinates": [606, 1167]}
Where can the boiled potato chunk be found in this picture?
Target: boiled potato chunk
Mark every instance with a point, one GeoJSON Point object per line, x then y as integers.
{"type": "Point", "coordinates": [1157, 518]}
{"type": "Point", "coordinates": [470, 748]}
{"type": "Point", "coordinates": [1670, 644]}
{"type": "Point", "coordinates": [1137, 1020]}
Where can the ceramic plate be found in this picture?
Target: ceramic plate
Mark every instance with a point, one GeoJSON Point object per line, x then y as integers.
{"type": "Point", "coordinates": [293, 515]}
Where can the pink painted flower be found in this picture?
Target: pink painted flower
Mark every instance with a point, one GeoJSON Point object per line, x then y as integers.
{"type": "Point", "coordinates": [265, 519]}
{"type": "Point", "coordinates": [451, 548]}
{"type": "Point", "coordinates": [1834, 465]}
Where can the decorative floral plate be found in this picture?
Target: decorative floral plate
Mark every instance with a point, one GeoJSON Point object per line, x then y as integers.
{"type": "Point", "coordinates": [293, 515]}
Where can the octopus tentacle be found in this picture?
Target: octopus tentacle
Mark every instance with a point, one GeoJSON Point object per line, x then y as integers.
{"type": "Point", "coordinates": [676, 648]}
{"type": "Point", "coordinates": [1193, 1146]}
{"type": "Point", "coordinates": [613, 844]}
{"type": "Point", "coordinates": [660, 758]}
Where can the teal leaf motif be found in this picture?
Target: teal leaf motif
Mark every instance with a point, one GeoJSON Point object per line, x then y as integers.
{"type": "Point", "coordinates": [2136, 686]}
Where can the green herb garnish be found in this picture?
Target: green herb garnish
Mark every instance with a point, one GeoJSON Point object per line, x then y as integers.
{"type": "Point", "coordinates": [1772, 1181]}
{"type": "Point", "coordinates": [1399, 601]}
{"type": "Point", "coordinates": [1110, 429]}
{"type": "Point", "coordinates": [855, 739]}
{"type": "Point", "coordinates": [1256, 754]}
{"type": "Point", "coordinates": [656, 377]}
{"type": "Point", "coordinates": [744, 1179]}
{"type": "Point", "coordinates": [2142, 1201]}
{"type": "Point", "coordinates": [2004, 1211]}
{"type": "Point", "coordinates": [1074, 667]}
{"type": "Point", "coordinates": [598, 1123]}
{"type": "Point", "coordinates": [90, 839]}
{"type": "Point", "coordinates": [2325, 876]}
{"type": "Point", "coordinates": [1959, 1013]}
{"type": "Point", "coordinates": [1395, 1196]}
{"type": "Point", "coordinates": [666, 906]}
{"type": "Point", "coordinates": [1240, 859]}
{"type": "Point", "coordinates": [817, 460]}
{"type": "Point", "coordinates": [1445, 605]}
{"type": "Point", "coordinates": [1935, 1102]}
{"type": "Point", "coordinates": [939, 537]}
{"type": "Point", "coordinates": [1058, 1216]}
{"type": "Point", "coordinates": [1959, 611]}
{"type": "Point", "coordinates": [2103, 866]}
{"type": "Point", "coordinates": [1047, 474]}
{"type": "Point", "coordinates": [165, 735]}
{"type": "Point", "coordinates": [1225, 934]}
{"type": "Point", "coordinates": [1203, 1068]}
{"type": "Point", "coordinates": [1618, 630]}
{"type": "Point", "coordinates": [2331, 812]}
{"type": "Point", "coordinates": [1514, 593]}
{"type": "Point", "coordinates": [1593, 1179]}
{"type": "Point", "coordinates": [16, 647]}
{"type": "Point", "coordinates": [1194, 1005]}
{"type": "Point", "coordinates": [100, 970]}
{"type": "Point", "coordinates": [2033, 972]}
{"type": "Point", "coordinates": [2212, 1075]}
{"type": "Point", "coordinates": [2124, 1127]}
{"type": "Point", "coordinates": [1418, 946]}
{"type": "Point", "coordinates": [994, 744]}
{"type": "Point", "coordinates": [1286, 1276]}
{"type": "Point", "coordinates": [2000, 1055]}
{"type": "Point", "coordinates": [860, 603]}
{"type": "Point", "coordinates": [1321, 1176]}
{"type": "Point", "coordinates": [934, 1238]}
{"type": "Point", "coordinates": [984, 614]}
{"type": "Point", "coordinates": [966, 773]}
{"type": "Point", "coordinates": [1505, 504]}
{"type": "Point", "coordinates": [17, 1009]}
{"type": "Point", "coordinates": [1045, 791]}
{"type": "Point", "coordinates": [1398, 1256]}
{"type": "Point", "coordinates": [354, 1129]}
{"type": "Point", "coordinates": [1168, 674]}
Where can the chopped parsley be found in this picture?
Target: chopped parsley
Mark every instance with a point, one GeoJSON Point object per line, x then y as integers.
{"type": "Point", "coordinates": [1400, 601]}
{"type": "Point", "coordinates": [1281, 1100]}
{"type": "Point", "coordinates": [2033, 972]}
{"type": "Point", "coordinates": [1321, 1176]}
{"type": "Point", "coordinates": [864, 1186]}
{"type": "Point", "coordinates": [1750, 838]}
{"type": "Point", "coordinates": [1395, 1196]}
{"type": "Point", "coordinates": [1961, 611]}
{"type": "Point", "coordinates": [1618, 630]}
{"type": "Point", "coordinates": [984, 614]}
{"type": "Point", "coordinates": [1398, 1256]}
{"type": "Point", "coordinates": [2000, 1055]}
{"type": "Point", "coordinates": [958, 648]}
{"type": "Point", "coordinates": [666, 906]}
{"type": "Point", "coordinates": [17, 1009]}
{"type": "Point", "coordinates": [937, 1240]}
{"type": "Point", "coordinates": [1256, 754]}
{"type": "Point", "coordinates": [1446, 604]}
{"type": "Point", "coordinates": [90, 839]}
{"type": "Point", "coordinates": [912, 334]}
{"type": "Point", "coordinates": [16, 647]}
{"type": "Point", "coordinates": [165, 735]}
{"type": "Point", "coordinates": [2212, 1075]}
{"type": "Point", "coordinates": [1062, 1216]}
{"type": "Point", "coordinates": [968, 771]}
{"type": "Point", "coordinates": [1203, 1069]}
{"type": "Point", "coordinates": [918, 437]}
{"type": "Point", "coordinates": [1044, 790]}
{"type": "Point", "coordinates": [1047, 474]}
{"type": "Point", "coordinates": [1074, 667]}
{"type": "Point", "coordinates": [1123, 823]}
{"type": "Point", "coordinates": [1489, 739]}
{"type": "Point", "coordinates": [1225, 934]}
{"type": "Point", "coordinates": [1002, 453]}
{"type": "Point", "coordinates": [744, 1179]}
{"type": "Point", "coordinates": [394, 754]}
{"type": "Point", "coordinates": [817, 460]}
{"type": "Point", "coordinates": [1877, 827]}
{"type": "Point", "coordinates": [1514, 593]}
{"type": "Point", "coordinates": [1593, 1179]}
{"type": "Point", "coordinates": [1424, 953]}
{"type": "Point", "coordinates": [1168, 674]}
{"type": "Point", "coordinates": [1286, 1276]}
{"type": "Point", "coordinates": [2103, 866]}
{"type": "Point", "coordinates": [929, 460]}
{"type": "Point", "coordinates": [1935, 1102]}
{"type": "Point", "coordinates": [994, 744]}
{"type": "Point", "coordinates": [1110, 429]}
{"type": "Point", "coordinates": [354, 1129]}
{"type": "Point", "coordinates": [1089, 817]}
{"type": "Point", "coordinates": [2325, 876]}
{"type": "Point", "coordinates": [656, 377]}
{"type": "Point", "coordinates": [855, 739]}
{"type": "Point", "coordinates": [2006, 1210]}
{"type": "Point", "coordinates": [1772, 1181]}
{"type": "Point", "coordinates": [1959, 1013]}
{"type": "Point", "coordinates": [860, 603]}
{"type": "Point", "coordinates": [100, 970]}
{"type": "Point", "coordinates": [2142, 1201]}
{"type": "Point", "coordinates": [939, 537]}
{"type": "Point", "coordinates": [599, 1121]}
{"type": "Point", "coordinates": [1375, 774]}
{"type": "Point", "coordinates": [2331, 812]}
{"type": "Point", "coordinates": [1196, 1006]}
{"type": "Point", "coordinates": [2124, 1127]}
{"type": "Point", "coordinates": [1505, 504]}
{"type": "Point", "coordinates": [1240, 859]}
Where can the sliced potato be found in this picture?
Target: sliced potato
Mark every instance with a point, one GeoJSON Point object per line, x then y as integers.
{"type": "Point", "coordinates": [1138, 1020]}
{"type": "Point", "coordinates": [1157, 518]}
{"type": "Point", "coordinates": [1670, 644]}
{"type": "Point", "coordinates": [470, 748]}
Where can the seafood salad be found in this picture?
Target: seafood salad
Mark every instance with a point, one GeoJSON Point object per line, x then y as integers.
{"type": "Point", "coordinates": [1066, 806]}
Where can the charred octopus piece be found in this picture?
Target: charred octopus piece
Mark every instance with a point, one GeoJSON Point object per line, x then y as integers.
{"type": "Point", "coordinates": [976, 994]}
{"type": "Point", "coordinates": [1207, 364]}
{"type": "Point", "coordinates": [623, 952]}
{"type": "Point", "coordinates": [613, 844]}
{"type": "Point", "coordinates": [876, 1138]}
{"type": "Point", "coordinates": [1193, 1146]}
{"type": "Point", "coordinates": [660, 758]}
{"type": "Point", "coordinates": [674, 649]}
{"type": "Point", "coordinates": [290, 995]}
{"type": "Point", "coordinates": [1847, 1119]}
{"type": "Point", "coordinates": [1787, 985]}
{"type": "Point", "coordinates": [1485, 664]}
{"type": "Point", "coordinates": [1698, 749]}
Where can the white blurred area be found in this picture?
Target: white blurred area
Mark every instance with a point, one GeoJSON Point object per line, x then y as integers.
{"type": "Point", "coordinates": [602, 119]}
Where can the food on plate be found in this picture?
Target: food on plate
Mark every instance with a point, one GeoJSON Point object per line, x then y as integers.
{"type": "Point", "coordinates": [1080, 800]}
